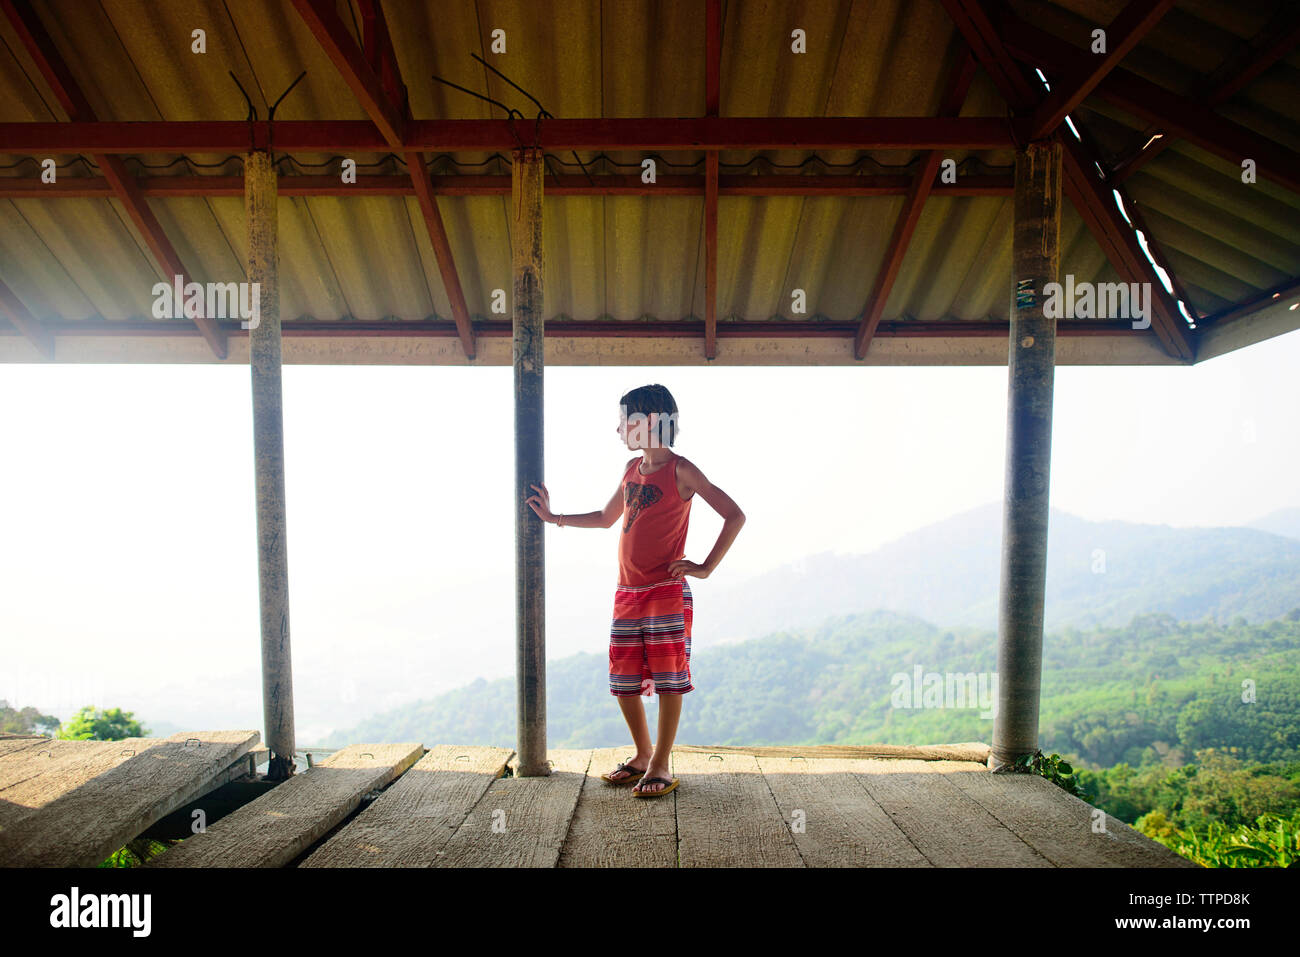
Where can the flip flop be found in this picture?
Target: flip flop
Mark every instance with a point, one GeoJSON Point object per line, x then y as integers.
{"type": "Point", "coordinates": [654, 794]}
{"type": "Point", "coordinates": [634, 775]}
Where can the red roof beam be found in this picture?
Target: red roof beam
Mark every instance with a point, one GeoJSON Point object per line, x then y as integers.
{"type": "Point", "coordinates": [385, 103]}
{"type": "Point", "coordinates": [975, 26]}
{"type": "Point", "coordinates": [70, 96]}
{"type": "Point", "coordinates": [442, 250]}
{"type": "Point", "coordinates": [1177, 115]}
{"type": "Point", "coordinates": [614, 328]}
{"type": "Point", "coordinates": [1278, 294]}
{"type": "Point", "coordinates": [958, 86]}
{"type": "Point", "coordinates": [322, 19]}
{"type": "Point", "coordinates": [712, 57]}
{"type": "Point", "coordinates": [1097, 208]}
{"type": "Point", "coordinates": [564, 184]}
{"type": "Point", "coordinates": [649, 133]}
{"type": "Point", "coordinates": [1278, 38]}
{"type": "Point", "coordinates": [1123, 34]}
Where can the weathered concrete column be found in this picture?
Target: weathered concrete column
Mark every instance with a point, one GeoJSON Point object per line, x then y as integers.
{"type": "Point", "coordinates": [268, 463]}
{"type": "Point", "coordinates": [1031, 367]}
{"type": "Point", "coordinates": [530, 553]}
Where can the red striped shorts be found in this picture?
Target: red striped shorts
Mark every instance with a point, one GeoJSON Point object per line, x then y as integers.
{"type": "Point", "coordinates": [650, 639]}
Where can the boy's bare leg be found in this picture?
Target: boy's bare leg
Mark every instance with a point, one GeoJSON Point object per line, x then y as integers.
{"type": "Point", "coordinates": [670, 711]}
{"type": "Point", "coordinates": [634, 715]}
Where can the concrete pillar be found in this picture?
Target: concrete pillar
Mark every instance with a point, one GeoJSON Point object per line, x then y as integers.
{"type": "Point", "coordinates": [1031, 365]}
{"type": "Point", "coordinates": [530, 554]}
{"type": "Point", "coordinates": [268, 464]}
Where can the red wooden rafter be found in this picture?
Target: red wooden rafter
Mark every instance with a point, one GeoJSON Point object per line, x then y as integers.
{"type": "Point", "coordinates": [1093, 203]}
{"type": "Point", "coordinates": [1277, 39]}
{"type": "Point", "coordinates": [922, 184]}
{"type": "Point", "coordinates": [57, 76]}
{"type": "Point", "coordinates": [381, 95]}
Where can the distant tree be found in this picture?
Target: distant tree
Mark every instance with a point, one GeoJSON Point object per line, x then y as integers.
{"type": "Point", "coordinates": [26, 721]}
{"type": "Point", "coordinates": [91, 724]}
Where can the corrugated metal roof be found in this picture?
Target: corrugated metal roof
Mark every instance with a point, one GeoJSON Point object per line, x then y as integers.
{"type": "Point", "coordinates": [623, 257]}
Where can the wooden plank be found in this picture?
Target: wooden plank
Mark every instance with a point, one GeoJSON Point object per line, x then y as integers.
{"type": "Point", "coordinates": [81, 828]}
{"type": "Point", "coordinates": [411, 822]}
{"type": "Point", "coordinates": [277, 827]}
{"type": "Point", "coordinates": [726, 815]}
{"type": "Point", "coordinates": [842, 825]}
{"type": "Point", "coordinates": [11, 744]}
{"type": "Point", "coordinates": [611, 828]}
{"type": "Point", "coordinates": [967, 751]}
{"type": "Point", "coordinates": [944, 823]}
{"type": "Point", "coordinates": [520, 822]}
{"type": "Point", "coordinates": [1060, 826]}
{"type": "Point", "coordinates": [34, 776]}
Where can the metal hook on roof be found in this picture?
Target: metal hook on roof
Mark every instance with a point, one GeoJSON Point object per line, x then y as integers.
{"type": "Point", "coordinates": [271, 116]}
{"type": "Point", "coordinates": [251, 118]}
{"type": "Point", "coordinates": [252, 110]}
{"type": "Point", "coordinates": [511, 112]}
{"type": "Point", "coordinates": [541, 109]}
{"type": "Point", "coordinates": [270, 126]}
{"type": "Point", "coordinates": [542, 113]}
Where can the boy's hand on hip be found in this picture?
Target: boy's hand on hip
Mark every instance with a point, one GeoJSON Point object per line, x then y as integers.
{"type": "Point", "coordinates": [681, 568]}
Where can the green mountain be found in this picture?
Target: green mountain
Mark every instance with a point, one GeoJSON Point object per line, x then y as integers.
{"type": "Point", "coordinates": [1098, 573]}
{"type": "Point", "coordinates": [1150, 692]}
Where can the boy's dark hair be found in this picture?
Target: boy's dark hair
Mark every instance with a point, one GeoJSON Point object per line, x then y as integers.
{"type": "Point", "coordinates": [653, 398]}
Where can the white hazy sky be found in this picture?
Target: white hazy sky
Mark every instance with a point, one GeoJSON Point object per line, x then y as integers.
{"type": "Point", "coordinates": [128, 552]}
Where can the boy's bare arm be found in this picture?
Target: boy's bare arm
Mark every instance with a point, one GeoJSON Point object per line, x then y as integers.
{"type": "Point", "coordinates": [694, 481]}
{"type": "Point", "coordinates": [606, 517]}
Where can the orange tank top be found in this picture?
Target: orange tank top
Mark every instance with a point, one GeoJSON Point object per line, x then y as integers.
{"type": "Point", "coordinates": [654, 525]}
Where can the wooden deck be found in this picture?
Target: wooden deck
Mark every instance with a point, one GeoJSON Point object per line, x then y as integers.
{"type": "Point", "coordinates": [400, 805]}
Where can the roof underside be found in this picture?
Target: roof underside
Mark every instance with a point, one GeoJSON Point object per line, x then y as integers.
{"type": "Point", "coordinates": [365, 263]}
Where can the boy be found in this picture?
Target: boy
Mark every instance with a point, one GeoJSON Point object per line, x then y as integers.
{"type": "Point", "coordinates": [650, 636]}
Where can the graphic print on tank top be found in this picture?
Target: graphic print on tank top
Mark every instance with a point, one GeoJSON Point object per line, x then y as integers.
{"type": "Point", "coordinates": [638, 497]}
